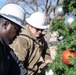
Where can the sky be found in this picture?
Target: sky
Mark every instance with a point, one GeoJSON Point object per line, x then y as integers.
{"type": "Point", "coordinates": [2, 2]}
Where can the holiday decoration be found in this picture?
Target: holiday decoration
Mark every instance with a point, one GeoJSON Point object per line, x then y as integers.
{"type": "Point", "coordinates": [66, 56]}
{"type": "Point", "coordinates": [50, 72]}
{"type": "Point", "coordinates": [60, 38]}
{"type": "Point", "coordinates": [69, 20]}
{"type": "Point", "coordinates": [59, 10]}
{"type": "Point", "coordinates": [60, 66]}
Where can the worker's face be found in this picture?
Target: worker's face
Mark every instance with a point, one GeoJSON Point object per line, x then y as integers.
{"type": "Point", "coordinates": [11, 31]}
{"type": "Point", "coordinates": [37, 32]}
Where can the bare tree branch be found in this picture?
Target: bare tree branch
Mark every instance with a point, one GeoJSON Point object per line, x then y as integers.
{"type": "Point", "coordinates": [39, 5]}
{"type": "Point", "coordinates": [28, 4]}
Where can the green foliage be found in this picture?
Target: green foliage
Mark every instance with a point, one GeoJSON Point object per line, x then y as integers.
{"type": "Point", "coordinates": [69, 33]}
{"type": "Point", "coordinates": [69, 6]}
{"type": "Point", "coordinates": [66, 5]}
{"type": "Point", "coordinates": [58, 25]}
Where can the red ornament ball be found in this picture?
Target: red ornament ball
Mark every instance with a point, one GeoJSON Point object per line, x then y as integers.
{"type": "Point", "coordinates": [66, 56]}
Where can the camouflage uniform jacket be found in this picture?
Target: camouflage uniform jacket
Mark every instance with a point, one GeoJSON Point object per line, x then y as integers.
{"type": "Point", "coordinates": [31, 51]}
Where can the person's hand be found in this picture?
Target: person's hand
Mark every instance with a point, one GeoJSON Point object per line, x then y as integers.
{"type": "Point", "coordinates": [48, 61]}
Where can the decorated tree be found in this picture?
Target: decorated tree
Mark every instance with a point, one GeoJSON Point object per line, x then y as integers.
{"type": "Point", "coordinates": [65, 60]}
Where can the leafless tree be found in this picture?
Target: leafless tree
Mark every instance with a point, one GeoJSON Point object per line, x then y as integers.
{"type": "Point", "coordinates": [45, 6]}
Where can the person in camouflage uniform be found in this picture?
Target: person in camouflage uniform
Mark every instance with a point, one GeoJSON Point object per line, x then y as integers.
{"type": "Point", "coordinates": [31, 47]}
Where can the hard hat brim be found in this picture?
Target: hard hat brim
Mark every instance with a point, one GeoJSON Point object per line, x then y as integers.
{"type": "Point", "coordinates": [7, 17]}
{"type": "Point", "coordinates": [45, 26]}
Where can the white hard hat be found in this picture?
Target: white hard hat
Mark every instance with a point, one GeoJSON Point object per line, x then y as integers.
{"type": "Point", "coordinates": [37, 20]}
{"type": "Point", "coordinates": [14, 13]}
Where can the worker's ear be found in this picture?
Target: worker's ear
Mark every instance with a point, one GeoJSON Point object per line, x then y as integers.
{"type": "Point", "coordinates": [5, 24]}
